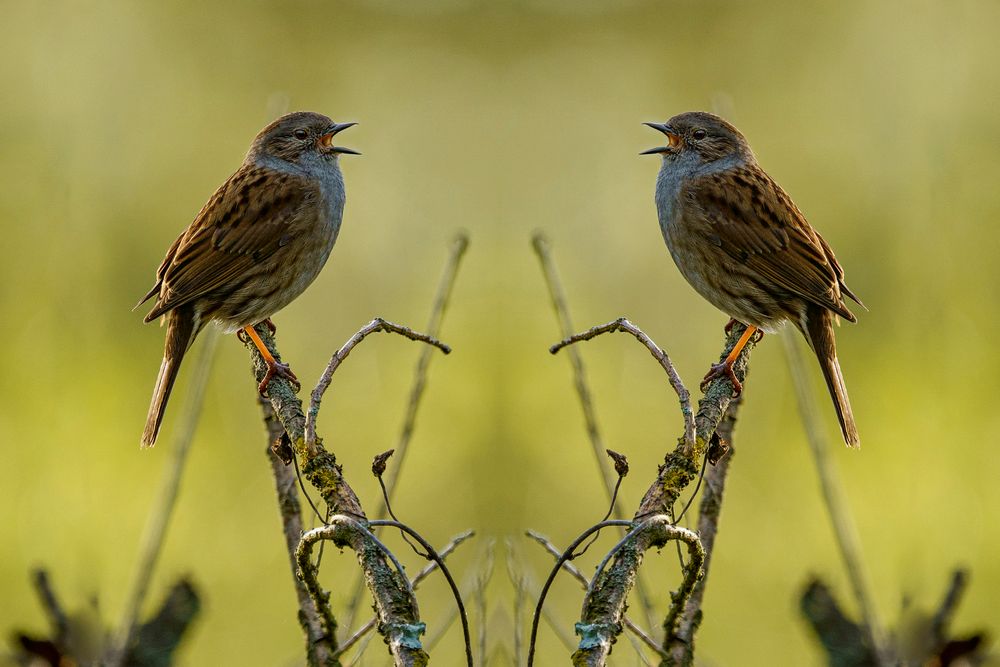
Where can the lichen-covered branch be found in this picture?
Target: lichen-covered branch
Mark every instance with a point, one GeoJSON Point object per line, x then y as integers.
{"type": "Point", "coordinates": [444, 552]}
{"type": "Point", "coordinates": [321, 645]}
{"type": "Point", "coordinates": [604, 606]}
{"type": "Point", "coordinates": [679, 643]}
{"type": "Point", "coordinates": [395, 605]}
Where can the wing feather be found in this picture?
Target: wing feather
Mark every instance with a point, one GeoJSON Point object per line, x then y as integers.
{"type": "Point", "coordinates": [756, 223]}
{"type": "Point", "coordinates": [246, 221]}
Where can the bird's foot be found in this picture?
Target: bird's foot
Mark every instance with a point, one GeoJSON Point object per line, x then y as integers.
{"type": "Point", "coordinates": [270, 325]}
{"type": "Point", "coordinates": [730, 324]}
{"type": "Point", "coordinates": [277, 369]}
{"type": "Point", "coordinates": [723, 369]}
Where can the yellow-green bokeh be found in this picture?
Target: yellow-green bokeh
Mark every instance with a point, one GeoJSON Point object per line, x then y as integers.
{"type": "Point", "coordinates": [120, 118]}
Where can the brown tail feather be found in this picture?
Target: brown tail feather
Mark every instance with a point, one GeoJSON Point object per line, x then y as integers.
{"type": "Point", "coordinates": [819, 332]}
{"type": "Point", "coordinates": [182, 326]}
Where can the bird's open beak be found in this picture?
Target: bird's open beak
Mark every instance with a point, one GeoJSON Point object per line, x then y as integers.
{"type": "Point", "coordinates": [326, 141]}
{"type": "Point", "coordinates": [673, 141]}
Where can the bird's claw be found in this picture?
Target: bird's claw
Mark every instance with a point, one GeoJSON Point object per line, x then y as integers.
{"type": "Point", "coordinates": [720, 370]}
{"type": "Point", "coordinates": [280, 370]}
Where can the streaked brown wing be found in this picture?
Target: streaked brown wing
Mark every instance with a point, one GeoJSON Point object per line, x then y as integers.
{"type": "Point", "coordinates": [756, 223]}
{"type": "Point", "coordinates": [246, 221]}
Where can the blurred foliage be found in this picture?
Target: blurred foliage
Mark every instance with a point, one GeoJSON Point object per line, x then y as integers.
{"type": "Point", "coordinates": [120, 118]}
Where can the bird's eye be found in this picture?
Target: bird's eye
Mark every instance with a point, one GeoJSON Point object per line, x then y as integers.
{"type": "Point", "coordinates": [698, 134]}
{"type": "Point", "coordinates": [300, 133]}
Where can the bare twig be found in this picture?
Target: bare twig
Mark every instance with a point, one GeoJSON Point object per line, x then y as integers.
{"type": "Point", "coordinates": [833, 497]}
{"type": "Point", "coordinates": [441, 298]}
{"type": "Point", "coordinates": [554, 551]}
{"type": "Point", "coordinates": [403, 637]}
{"type": "Point", "coordinates": [541, 245]}
{"type": "Point", "coordinates": [375, 326]}
{"type": "Point", "coordinates": [482, 580]}
{"type": "Point", "coordinates": [155, 533]}
{"type": "Point", "coordinates": [524, 586]}
{"type": "Point", "coordinates": [622, 324]}
{"type": "Point", "coordinates": [519, 581]}
{"type": "Point", "coordinates": [458, 247]}
{"type": "Point", "coordinates": [444, 552]}
{"type": "Point", "coordinates": [557, 294]}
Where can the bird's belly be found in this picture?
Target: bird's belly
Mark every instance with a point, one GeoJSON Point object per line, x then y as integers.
{"type": "Point", "coordinates": [281, 279]}
{"type": "Point", "coordinates": [723, 282]}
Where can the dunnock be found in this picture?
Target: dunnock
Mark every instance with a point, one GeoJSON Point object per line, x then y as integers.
{"type": "Point", "coordinates": [743, 245]}
{"type": "Point", "coordinates": [261, 239]}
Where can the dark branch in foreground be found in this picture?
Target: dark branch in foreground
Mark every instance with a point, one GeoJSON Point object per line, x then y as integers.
{"type": "Point", "coordinates": [78, 639]}
{"type": "Point", "coordinates": [395, 605]}
{"type": "Point", "coordinates": [922, 638]}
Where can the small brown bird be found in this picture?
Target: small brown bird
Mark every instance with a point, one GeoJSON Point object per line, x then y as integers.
{"type": "Point", "coordinates": [743, 245]}
{"type": "Point", "coordinates": [261, 239]}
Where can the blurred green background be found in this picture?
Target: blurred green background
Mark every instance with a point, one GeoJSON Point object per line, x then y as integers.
{"type": "Point", "coordinates": [120, 118]}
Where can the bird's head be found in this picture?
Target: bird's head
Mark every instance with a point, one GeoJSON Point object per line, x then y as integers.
{"type": "Point", "coordinates": [701, 135]}
{"type": "Point", "coordinates": [299, 136]}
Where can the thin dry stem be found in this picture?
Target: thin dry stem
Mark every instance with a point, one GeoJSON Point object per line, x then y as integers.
{"type": "Point", "coordinates": [833, 497]}
{"type": "Point", "coordinates": [440, 305]}
{"type": "Point", "coordinates": [543, 250]}
{"type": "Point", "coordinates": [438, 309]}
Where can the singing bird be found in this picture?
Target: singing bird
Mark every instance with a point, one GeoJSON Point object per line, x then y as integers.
{"type": "Point", "coordinates": [743, 245]}
{"type": "Point", "coordinates": [255, 246]}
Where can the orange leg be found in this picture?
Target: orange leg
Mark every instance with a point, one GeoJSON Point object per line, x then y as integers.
{"type": "Point", "coordinates": [725, 369]}
{"type": "Point", "coordinates": [274, 367]}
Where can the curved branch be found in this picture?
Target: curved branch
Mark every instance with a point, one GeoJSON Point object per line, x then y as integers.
{"type": "Point", "coordinates": [624, 325]}
{"type": "Point", "coordinates": [376, 325]}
